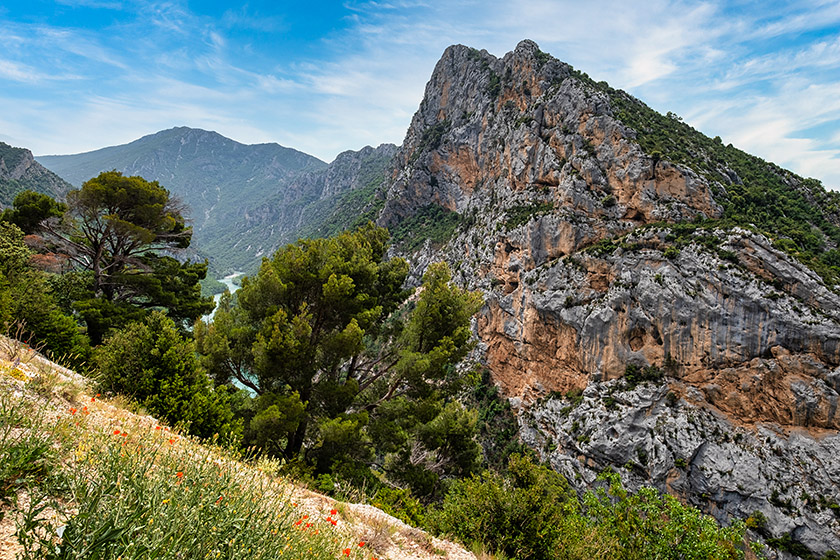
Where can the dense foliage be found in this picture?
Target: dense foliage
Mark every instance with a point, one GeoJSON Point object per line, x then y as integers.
{"type": "Point", "coordinates": [153, 364]}
{"type": "Point", "coordinates": [120, 229]}
{"type": "Point", "coordinates": [348, 376]}
{"type": "Point", "coordinates": [29, 305]}
{"type": "Point", "coordinates": [30, 209]}
{"type": "Point", "coordinates": [530, 513]}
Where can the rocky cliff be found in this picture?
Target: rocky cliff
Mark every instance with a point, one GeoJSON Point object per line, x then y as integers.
{"type": "Point", "coordinates": [19, 171]}
{"type": "Point", "coordinates": [656, 278]}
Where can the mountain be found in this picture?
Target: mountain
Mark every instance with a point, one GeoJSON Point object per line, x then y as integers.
{"type": "Point", "coordinates": [320, 203]}
{"type": "Point", "coordinates": [657, 303]}
{"type": "Point", "coordinates": [215, 176]}
{"type": "Point", "coordinates": [244, 200]}
{"type": "Point", "coordinates": [19, 172]}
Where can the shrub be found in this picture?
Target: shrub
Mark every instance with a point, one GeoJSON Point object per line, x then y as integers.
{"type": "Point", "coordinates": [151, 363]}
{"type": "Point", "coordinates": [519, 515]}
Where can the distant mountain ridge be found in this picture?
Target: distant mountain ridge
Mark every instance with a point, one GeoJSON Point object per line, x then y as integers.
{"type": "Point", "coordinates": [244, 200]}
{"type": "Point", "coordinates": [205, 169]}
{"type": "Point", "coordinates": [19, 171]}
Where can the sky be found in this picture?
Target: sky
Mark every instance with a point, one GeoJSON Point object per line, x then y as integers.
{"type": "Point", "coordinates": [324, 77]}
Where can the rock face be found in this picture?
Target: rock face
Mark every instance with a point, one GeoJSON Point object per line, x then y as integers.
{"type": "Point", "coordinates": [567, 225]}
{"type": "Point", "coordinates": [19, 171]}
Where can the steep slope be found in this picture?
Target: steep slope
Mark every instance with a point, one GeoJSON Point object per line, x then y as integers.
{"type": "Point", "coordinates": [119, 470]}
{"type": "Point", "coordinates": [687, 289]}
{"type": "Point", "coordinates": [319, 203]}
{"type": "Point", "coordinates": [19, 172]}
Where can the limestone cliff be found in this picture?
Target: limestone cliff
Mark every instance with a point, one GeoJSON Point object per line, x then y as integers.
{"type": "Point", "coordinates": [597, 251]}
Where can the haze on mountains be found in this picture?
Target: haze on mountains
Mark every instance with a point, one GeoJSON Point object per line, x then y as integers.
{"type": "Point", "coordinates": [244, 200]}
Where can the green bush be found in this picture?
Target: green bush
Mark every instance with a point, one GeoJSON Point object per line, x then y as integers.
{"type": "Point", "coordinates": [520, 515]}
{"type": "Point", "coordinates": [531, 514]}
{"type": "Point", "coordinates": [154, 365]}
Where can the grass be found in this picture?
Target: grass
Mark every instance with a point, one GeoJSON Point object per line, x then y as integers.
{"type": "Point", "coordinates": [122, 487]}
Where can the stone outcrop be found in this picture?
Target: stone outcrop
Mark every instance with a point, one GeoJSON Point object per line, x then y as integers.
{"type": "Point", "coordinates": [564, 225]}
{"type": "Point", "coordinates": [19, 171]}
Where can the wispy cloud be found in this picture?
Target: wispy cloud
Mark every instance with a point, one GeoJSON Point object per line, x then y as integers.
{"type": "Point", "coordinates": [21, 73]}
{"type": "Point", "coordinates": [759, 76]}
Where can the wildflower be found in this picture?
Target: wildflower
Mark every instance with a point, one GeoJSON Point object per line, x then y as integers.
{"type": "Point", "coordinates": [124, 434]}
{"type": "Point", "coordinates": [333, 511]}
{"type": "Point", "coordinates": [116, 432]}
{"type": "Point", "coordinates": [171, 441]}
{"type": "Point", "coordinates": [179, 474]}
{"type": "Point", "coordinates": [299, 521]}
{"type": "Point", "coordinates": [72, 411]}
{"type": "Point", "coordinates": [362, 543]}
{"type": "Point", "coordinates": [85, 410]}
{"type": "Point", "coordinates": [334, 522]}
{"type": "Point", "coordinates": [157, 427]}
{"type": "Point", "coordinates": [346, 552]}
{"type": "Point", "coordinates": [306, 517]}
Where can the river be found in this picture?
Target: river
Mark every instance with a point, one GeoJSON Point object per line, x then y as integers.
{"type": "Point", "coordinates": [229, 282]}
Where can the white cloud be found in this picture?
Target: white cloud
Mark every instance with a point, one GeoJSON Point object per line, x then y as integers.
{"type": "Point", "coordinates": [20, 73]}
{"type": "Point", "coordinates": [706, 60]}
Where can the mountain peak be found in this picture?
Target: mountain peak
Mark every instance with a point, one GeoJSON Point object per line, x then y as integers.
{"type": "Point", "coordinates": [527, 46]}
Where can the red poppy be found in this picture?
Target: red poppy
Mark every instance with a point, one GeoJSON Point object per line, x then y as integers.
{"type": "Point", "coordinates": [346, 552]}
{"type": "Point", "coordinates": [72, 411]}
{"type": "Point", "coordinates": [179, 474]}
{"type": "Point", "coordinates": [116, 432]}
{"type": "Point", "coordinates": [157, 427]}
{"type": "Point", "coordinates": [333, 511]}
{"type": "Point", "coordinates": [299, 521]}
{"type": "Point", "coordinates": [334, 522]}
{"type": "Point", "coordinates": [362, 543]}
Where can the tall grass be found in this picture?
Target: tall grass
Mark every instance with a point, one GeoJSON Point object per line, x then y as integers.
{"type": "Point", "coordinates": [131, 490]}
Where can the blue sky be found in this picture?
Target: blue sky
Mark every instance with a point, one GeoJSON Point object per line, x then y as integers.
{"type": "Point", "coordinates": [76, 75]}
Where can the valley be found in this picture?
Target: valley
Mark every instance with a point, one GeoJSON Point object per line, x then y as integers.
{"type": "Point", "coordinates": [653, 303]}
